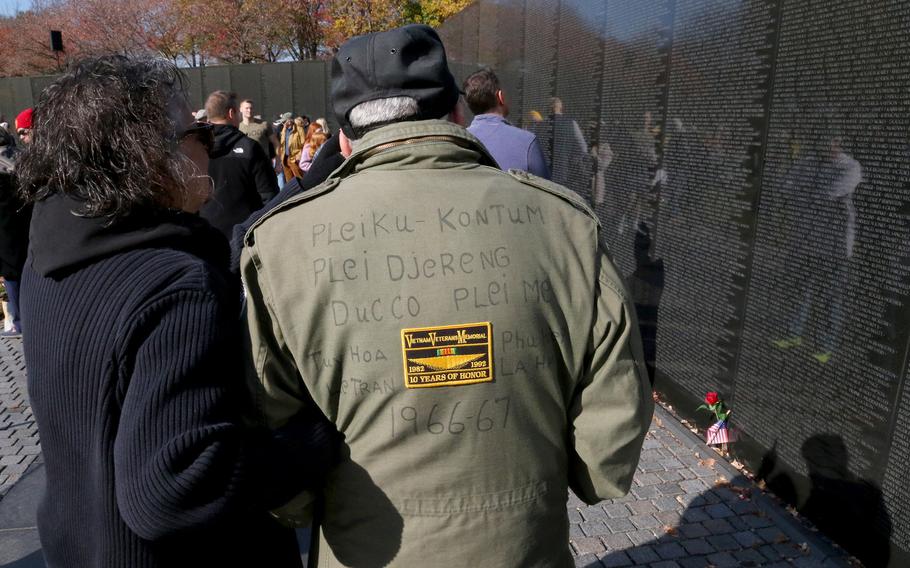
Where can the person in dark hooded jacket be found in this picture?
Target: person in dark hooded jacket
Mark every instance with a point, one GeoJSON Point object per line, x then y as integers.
{"type": "Point", "coordinates": [240, 169]}
{"type": "Point", "coordinates": [14, 221]}
{"type": "Point", "coordinates": [154, 456]}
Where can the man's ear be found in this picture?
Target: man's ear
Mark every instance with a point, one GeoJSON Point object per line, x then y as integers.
{"type": "Point", "coordinates": [501, 97]}
{"type": "Point", "coordinates": [346, 147]}
{"type": "Point", "coordinates": [458, 115]}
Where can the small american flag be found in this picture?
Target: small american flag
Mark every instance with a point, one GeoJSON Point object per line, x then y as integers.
{"type": "Point", "coordinates": [721, 433]}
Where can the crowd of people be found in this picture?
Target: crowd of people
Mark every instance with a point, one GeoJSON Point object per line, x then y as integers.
{"type": "Point", "coordinates": [225, 318]}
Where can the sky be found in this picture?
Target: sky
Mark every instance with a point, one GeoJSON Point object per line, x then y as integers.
{"type": "Point", "coordinates": [10, 7]}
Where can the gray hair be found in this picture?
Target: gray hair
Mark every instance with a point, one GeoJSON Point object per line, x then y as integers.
{"type": "Point", "coordinates": [372, 114]}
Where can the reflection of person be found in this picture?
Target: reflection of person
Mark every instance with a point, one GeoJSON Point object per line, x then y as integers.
{"type": "Point", "coordinates": [827, 246]}
{"type": "Point", "coordinates": [134, 339]}
{"type": "Point", "coordinates": [568, 150]}
{"type": "Point", "coordinates": [602, 157]}
{"type": "Point", "coordinates": [461, 444]}
{"type": "Point", "coordinates": [511, 147]}
{"type": "Point", "coordinates": [643, 173]}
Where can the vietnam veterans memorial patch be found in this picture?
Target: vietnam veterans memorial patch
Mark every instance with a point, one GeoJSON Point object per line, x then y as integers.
{"type": "Point", "coordinates": [447, 355]}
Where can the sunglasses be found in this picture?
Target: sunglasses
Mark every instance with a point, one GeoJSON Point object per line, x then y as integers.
{"type": "Point", "coordinates": [23, 131]}
{"type": "Point", "coordinates": [202, 132]}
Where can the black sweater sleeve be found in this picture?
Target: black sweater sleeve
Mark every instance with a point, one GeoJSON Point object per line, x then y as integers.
{"type": "Point", "coordinates": [182, 457]}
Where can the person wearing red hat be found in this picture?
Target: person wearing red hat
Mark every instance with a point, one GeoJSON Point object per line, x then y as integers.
{"type": "Point", "coordinates": [24, 126]}
{"type": "Point", "coordinates": [14, 224]}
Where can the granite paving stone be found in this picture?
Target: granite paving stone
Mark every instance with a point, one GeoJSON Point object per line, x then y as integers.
{"type": "Point", "coordinates": [749, 555]}
{"type": "Point", "coordinates": [594, 528]}
{"type": "Point", "coordinates": [644, 521]}
{"type": "Point", "coordinates": [719, 511]}
{"type": "Point", "coordinates": [586, 561]}
{"type": "Point", "coordinates": [748, 539]}
{"type": "Point", "coordinates": [642, 507]}
{"type": "Point", "coordinates": [620, 525]}
{"type": "Point", "coordinates": [587, 545]}
{"type": "Point", "coordinates": [723, 560]}
{"type": "Point", "coordinates": [693, 530]}
{"type": "Point", "coordinates": [641, 537]}
{"type": "Point", "coordinates": [646, 492]}
{"type": "Point", "coordinates": [724, 542]}
{"type": "Point", "coordinates": [718, 526]}
{"type": "Point", "coordinates": [615, 560]}
{"type": "Point", "coordinates": [617, 510]}
{"type": "Point", "coordinates": [694, 562]}
{"type": "Point", "coordinates": [670, 550]}
{"type": "Point", "coordinates": [643, 554]}
{"type": "Point", "coordinates": [666, 504]}
{"type": "Point", "coordinates": [595, 513]}
{"type": "Point", "coordinates": [616, 541]}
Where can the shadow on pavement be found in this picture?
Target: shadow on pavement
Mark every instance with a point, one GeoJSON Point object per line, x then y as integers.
{"type": "Point", "coordinates": [33, 560]}
{"type": "Point", "coordinates": [722, 527]}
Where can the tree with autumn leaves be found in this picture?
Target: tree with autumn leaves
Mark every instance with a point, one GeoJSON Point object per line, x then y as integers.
{"type": "Point", "coordinates": [201, 32]}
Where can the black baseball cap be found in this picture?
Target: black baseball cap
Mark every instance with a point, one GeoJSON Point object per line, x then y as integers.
{"type": "Point", "coordinates": [407, 61]}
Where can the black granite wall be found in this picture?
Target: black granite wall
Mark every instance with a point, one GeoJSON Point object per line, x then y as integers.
{"type": "Point", "coordinates": [750, 161]}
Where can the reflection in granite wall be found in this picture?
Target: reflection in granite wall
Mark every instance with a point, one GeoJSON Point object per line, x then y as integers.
{"type": "Point", "coordinates": [750, 163]}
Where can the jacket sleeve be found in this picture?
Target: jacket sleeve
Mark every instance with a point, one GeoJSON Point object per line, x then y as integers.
{"type": "Point", "coordinates": [278, 388]}
{"type": "Point", "coordinates": [183, 458]}
{"type": "Point", "coordinates": [263, 174]}
{"type": "Point", "coordinates": [611, 408]}
{"type": "Point", "coordinates": [537, 164]}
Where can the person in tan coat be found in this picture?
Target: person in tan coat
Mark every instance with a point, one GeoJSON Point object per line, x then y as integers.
{"type": "Point", "coordinates": [293, 136]}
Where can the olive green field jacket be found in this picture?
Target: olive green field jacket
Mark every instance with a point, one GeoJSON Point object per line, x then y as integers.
{"type": "Point", "coordinates": [467, 333]}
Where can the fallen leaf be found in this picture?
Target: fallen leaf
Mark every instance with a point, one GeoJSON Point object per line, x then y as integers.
{"type": "Point", "coordinates": [781, 538]}
{"type": "Point", "coordinates": [707, 462]}
{"type": "Point", "coordinates": [737, 464]}
{"type": "Point", "coordinates": [804, 548]}
{"type": "Point", "coordinates": [762, 485]}
{"type": "Point", "coordinates": [672, 531]}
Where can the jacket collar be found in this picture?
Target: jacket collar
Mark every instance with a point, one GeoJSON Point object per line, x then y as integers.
{"type": "Point", "coordinates": [490, 117]}
{"type": "Point", "coordinates": [416, 144]}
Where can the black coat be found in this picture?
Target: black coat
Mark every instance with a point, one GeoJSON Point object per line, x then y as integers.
{"type": "Point", "coordinates": [14, 221]}
{"type": "Point", "coordinates": [134, 373]}
{"type": "Point", "coordinates": [243, 178]}
{"type": "Point", "coordinates": [327, 161]}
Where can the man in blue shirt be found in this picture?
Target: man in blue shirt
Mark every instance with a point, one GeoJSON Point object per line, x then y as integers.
{"type": "Point", "coordinates": [513, 148]}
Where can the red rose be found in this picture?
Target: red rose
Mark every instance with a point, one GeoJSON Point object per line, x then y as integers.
{"type": "Point", "coordinates": [711, 398]}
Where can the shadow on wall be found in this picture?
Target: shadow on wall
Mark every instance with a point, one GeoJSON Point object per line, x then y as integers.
{"type": "Point", "coordinates": [646, 285]}
{"type": "Point", "coordinates": [848, 509]}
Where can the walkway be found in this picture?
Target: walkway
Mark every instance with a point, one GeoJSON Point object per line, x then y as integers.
{"type": "Point", "coordinates": [687, 508]}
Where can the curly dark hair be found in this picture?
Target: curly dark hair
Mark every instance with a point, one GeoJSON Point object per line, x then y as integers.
{"type": "Point", "coordinates": [103, 134]}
